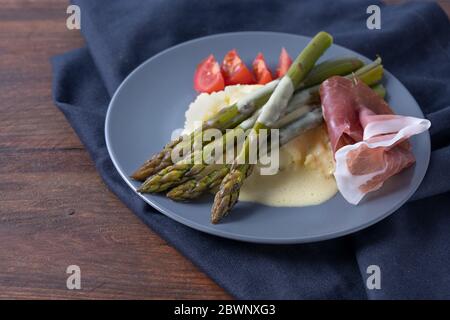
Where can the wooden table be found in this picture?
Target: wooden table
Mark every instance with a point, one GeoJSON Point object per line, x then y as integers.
{"type": "Point", "coordinates": [54, 209]}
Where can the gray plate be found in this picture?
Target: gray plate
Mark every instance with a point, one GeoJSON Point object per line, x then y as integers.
{"type": "Point", "coordinates": [151, 102]}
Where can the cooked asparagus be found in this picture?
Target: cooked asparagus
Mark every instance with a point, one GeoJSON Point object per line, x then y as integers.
{"type": "Point", "coordinates": [228, 117]}
{"type": "Point", "coordinates": [186, 169]}
{"type": "Point", "coordinates": [189, 167]}
{"type": "Point", "coordinates": [231, 116]}
{"type": "Point", "coordinates": [195, 187]}
{"type": "Point", "coordinates": [228, 193]}
{"type": "Point", "coordinates": [380, 89]}
{"type": "Point", "coordinates": [183, 170]}
{"type": "Point", "coordinates": [331, 67]}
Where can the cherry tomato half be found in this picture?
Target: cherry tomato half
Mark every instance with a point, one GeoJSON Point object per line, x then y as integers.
{"type": "Point", "coordinates": [235, 71]}
{"type": "Point", "coordinates": [260, 70]}
{"type": "Point", "coordinates": [284, 63]}
{"type": "Point", "coordinates": [208, 77]}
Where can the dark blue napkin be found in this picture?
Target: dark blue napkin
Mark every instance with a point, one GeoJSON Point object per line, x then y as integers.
{"type": "Point", "coordinates": [411, 247]}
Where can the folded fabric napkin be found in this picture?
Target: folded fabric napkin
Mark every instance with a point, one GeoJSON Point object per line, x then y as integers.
{"type": "Point", "coordinates": [411, 247]}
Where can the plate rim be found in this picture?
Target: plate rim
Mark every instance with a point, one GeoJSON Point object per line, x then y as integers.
{"type": "Point", "coordinates": [224, 233]}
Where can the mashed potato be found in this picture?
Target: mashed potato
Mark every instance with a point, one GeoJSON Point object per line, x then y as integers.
{"type": "Point", "coordinates": [306, 162]}
{"type": "Point", "coordinates": [206, 105]}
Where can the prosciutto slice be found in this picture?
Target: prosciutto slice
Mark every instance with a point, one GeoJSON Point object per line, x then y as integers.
{"type": "Point", "coordinates": [370, 143]}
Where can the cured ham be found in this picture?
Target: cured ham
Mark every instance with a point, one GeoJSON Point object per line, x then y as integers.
{"type": "Point", "coordinates": [370, 143]}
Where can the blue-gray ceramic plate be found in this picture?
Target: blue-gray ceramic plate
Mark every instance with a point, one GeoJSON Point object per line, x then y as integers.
{"type": "Point", "coordinates": [151, 102]}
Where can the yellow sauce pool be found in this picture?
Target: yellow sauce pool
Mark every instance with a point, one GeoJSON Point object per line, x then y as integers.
{"type": "Point", "coordinates": [305, 177]}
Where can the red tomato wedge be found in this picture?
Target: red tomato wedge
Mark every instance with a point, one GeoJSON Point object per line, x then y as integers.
{"type": "Point", "coordinates": [235, 71]}
{"type": "Point", "coordinates": [284, 63]}
{"type": "Point", "coordinates": [260, 70]}
{"type": "Point", "coordinates": [207, 76]}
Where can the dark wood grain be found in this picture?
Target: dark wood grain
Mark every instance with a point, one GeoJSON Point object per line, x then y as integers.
{"type": "Point", "coordinates": [54, 209]}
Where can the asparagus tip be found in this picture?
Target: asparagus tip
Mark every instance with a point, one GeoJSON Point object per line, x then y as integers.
{"type": "Point", "coordinates": [137, 175]}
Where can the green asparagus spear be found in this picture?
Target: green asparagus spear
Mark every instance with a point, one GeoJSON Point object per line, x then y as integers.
{"type": "Point", "coordinates": [228, 193]}
{"type": "Point", "coordinates": [189, 167]}
{"type": "Point", "coordinates": [380, 89]}
{"type": "Point", "coordinates": [185, 169]}
{"type": "Point", "coordinates": [157, 162]}
{"type": "Point", "coordinates": [193, 188]}
{"type": "Point", "coordinates": [228, 117]}
{"type": "Point", "coordinates": [196, 186]}
{"type": "Point", "coordinates": [328, 68]}
{"type": "Point", "coordinates": [182, 171]}
{"type": "Point", "coordinates": [231, 116]}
